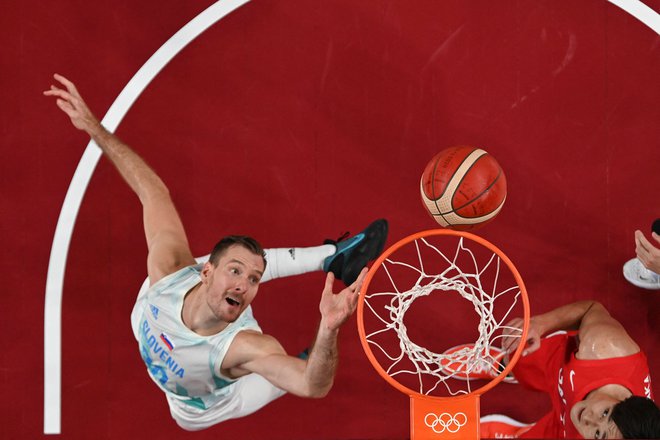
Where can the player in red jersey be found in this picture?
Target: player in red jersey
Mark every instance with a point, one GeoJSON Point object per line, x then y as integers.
{"type": "Point", "coordinates": [595, 374]}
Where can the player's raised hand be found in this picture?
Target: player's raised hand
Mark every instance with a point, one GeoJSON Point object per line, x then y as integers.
{"type": "Point", "coordinates": [71, 103]}
{"type": "Point", "coordinates": [336, 308]}
{"type": "Point", "coordinates": [647, 253]}
{"type": "Point", "coordinates": [512, 332]}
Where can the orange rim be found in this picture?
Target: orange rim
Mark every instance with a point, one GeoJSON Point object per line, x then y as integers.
{"type": "Point", "coordinates": [378, 264]}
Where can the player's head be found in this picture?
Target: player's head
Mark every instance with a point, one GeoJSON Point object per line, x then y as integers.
{"type": "Point", "coordinates": [225, 243]}
{"type": "Point", "coordinates": [602, 416]}
{"type": "Point", "coordinates": [592, 417]}
{"type": "Point", "coordinates": [231, 276]}
{"type": "Point", "coordinates": [637, 417]}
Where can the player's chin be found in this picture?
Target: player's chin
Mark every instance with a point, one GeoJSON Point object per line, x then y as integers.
{"type": "Point", "coordinates": [232, 314]}
{"type": "Point", "coordinates": [228, 314]}
{"type": "Point", "coordinates": [574, 414]}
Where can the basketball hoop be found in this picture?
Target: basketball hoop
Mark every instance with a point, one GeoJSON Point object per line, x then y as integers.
{"type": "Point", "coordinates": [463, 283]}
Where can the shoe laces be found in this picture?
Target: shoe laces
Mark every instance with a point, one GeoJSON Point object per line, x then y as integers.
{"type": "Point", "coordinates": [341, 238]}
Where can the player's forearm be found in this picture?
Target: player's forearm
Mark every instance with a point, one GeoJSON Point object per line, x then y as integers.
{"type": "Point", "coordinates": [566, 317]}
{"type": "Point", "coordinates": [135, 171]}
{"type": "Point", "coordinates": [144, 182]}
{"type": "Point", "coordinates": [322, 362]}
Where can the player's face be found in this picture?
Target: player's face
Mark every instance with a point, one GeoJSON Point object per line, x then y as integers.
{"type": "Point", "coordinates": [592, 417]}
{"type": "Point", "coordinates": [233, 284]}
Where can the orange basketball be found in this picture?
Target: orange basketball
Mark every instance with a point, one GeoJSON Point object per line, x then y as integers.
{"type": "Point", "coordinates": [463, 188]}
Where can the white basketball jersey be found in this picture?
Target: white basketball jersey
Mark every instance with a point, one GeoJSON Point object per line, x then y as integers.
{"type": "Point", "coordinates": [182, 363]}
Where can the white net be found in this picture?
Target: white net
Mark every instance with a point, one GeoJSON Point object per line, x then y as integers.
{"type": "Point", "coordinates": [481, 282]}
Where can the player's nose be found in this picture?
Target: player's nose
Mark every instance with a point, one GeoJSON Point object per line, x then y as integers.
{"type": "Point", "coordinates": [588, 418]}
{"type": "Point", "coordinates": [241, 285]}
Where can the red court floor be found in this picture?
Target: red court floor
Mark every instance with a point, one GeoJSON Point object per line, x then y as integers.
{"type": "Point", "coordinates": [294, 121]}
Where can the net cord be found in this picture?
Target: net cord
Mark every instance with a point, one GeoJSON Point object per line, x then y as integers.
{"type": "Point", "coordinates": [466, 362]}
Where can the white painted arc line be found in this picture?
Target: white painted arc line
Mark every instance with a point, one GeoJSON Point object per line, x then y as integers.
{"type": "Point", "coordinates": [641, 12]}
{"type": "Point", "coordinates": [76, 191]}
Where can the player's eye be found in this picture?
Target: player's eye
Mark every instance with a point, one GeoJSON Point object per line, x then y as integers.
{"type": "Point", "coordinates": [606, 412]}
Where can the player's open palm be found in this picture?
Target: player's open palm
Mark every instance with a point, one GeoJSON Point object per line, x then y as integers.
{"type": "Point", "coordinates": [336, 308]}
{"type": "Point", "coordinates": [71, 103]}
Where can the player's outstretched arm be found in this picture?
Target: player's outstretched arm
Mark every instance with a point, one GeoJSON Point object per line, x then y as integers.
{"type": "Point", "coordinates": [601, 336]}
{"type": "Point", "coordinates": [262, 354]}
{"type": "Point", "coordinates": [166, 239]}
{"type": "Point", "coordinates": [335, 310]}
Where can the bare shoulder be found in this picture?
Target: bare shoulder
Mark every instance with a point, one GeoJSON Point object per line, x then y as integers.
{"type": "Point", "coordinates": [602, 336]}
{"type": "Point", "coordinates": [252, 342]}
{"type": "Point", "coordinates": [248, 346]}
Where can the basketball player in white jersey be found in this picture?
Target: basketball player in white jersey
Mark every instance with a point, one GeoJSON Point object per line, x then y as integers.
{"type": "Point", "coordinates": [193, 321]}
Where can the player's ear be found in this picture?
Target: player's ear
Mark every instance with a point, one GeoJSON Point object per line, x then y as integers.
{"type": "Point", "coordinates": [206, 272]}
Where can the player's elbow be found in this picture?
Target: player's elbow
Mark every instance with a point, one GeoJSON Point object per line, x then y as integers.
{"type": "Point", "coordinates": [320, 393]}
{"type": "Point", "coordinates": [318, 390]}
{"type": "Point", "coordinates": [154, 193]}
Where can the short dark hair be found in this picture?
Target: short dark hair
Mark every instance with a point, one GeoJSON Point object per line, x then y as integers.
{"type": "Point", "coordinates": [225, 243]}
{"type": "Point", "coordinates": [637, 417]}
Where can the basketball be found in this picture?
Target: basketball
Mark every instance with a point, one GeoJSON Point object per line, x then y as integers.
{"type": "Point", "coordinates": [463, 188]}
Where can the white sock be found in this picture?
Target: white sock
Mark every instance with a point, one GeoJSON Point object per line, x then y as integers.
{"type": "Point", "coordinates": [285, 262]}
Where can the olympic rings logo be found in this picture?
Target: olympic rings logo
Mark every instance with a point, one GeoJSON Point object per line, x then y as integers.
{"type": "Point", "coordinates": [445, 422]}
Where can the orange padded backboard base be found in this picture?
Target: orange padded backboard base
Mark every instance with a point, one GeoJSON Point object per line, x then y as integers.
{"type": "Point", "coordinates": [455, 418]}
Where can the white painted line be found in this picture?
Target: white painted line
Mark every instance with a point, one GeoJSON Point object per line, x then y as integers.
{"type": "Point", "coordinates": [74, 195]}
{"type": "Point", "coordinates": [641, 12]}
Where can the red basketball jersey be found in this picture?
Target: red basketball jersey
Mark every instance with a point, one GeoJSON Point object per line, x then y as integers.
{"type": "Point", "coordinates": [554, 369]}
